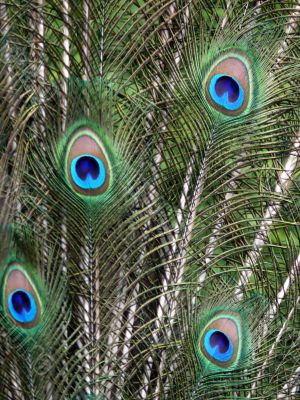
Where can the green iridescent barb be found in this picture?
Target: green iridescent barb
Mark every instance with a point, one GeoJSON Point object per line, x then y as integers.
{"type": "Point", "coordinates": [149, 220]}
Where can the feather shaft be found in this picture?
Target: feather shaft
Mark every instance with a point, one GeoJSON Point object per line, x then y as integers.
{"type": "Point", "coordinates": [290, 30]}
{"type": "Point", "coordinates": [291, 388]}
{"type": "Point", "coordinates": [283, 183]}
{"type": "Point", "coordinates": [273, 348]}
{"type": "Point", "coordinates": [66, 61]}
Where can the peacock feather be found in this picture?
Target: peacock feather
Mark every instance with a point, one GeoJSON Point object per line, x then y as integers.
{"type": "Point", "coordinates": [149, 222]}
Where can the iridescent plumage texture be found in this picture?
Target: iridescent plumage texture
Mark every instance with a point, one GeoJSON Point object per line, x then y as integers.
{"type": "Point", "coordinates": [150, 202]}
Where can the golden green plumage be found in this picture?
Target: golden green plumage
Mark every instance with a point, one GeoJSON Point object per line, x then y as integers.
{"type": "Point", "coordinates": [149, 199]}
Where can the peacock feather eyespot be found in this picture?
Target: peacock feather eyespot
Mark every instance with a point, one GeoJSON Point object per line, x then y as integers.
{"type": "Point", "coordinates": [20, 297]}
{"type": "Point", "coordinates": [220, 340]}
{"type": "Point", "coordinates": [227, 86]}
{"type": "Point", "coordinates": [88, 168]}
{"type": "Point", "coordinates": [88, 172]}
{"type": "Point", "coordinates": [218, 345]}
{"type": "Point", "coordinates": [22, 306]}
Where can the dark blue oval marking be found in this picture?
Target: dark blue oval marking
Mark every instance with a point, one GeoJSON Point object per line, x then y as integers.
{"type": "Point", "coordinates": [226, 92]}
{"type": "Point", "coordinates": [22, 306]}
{"type": "Point", "coordinates": [88, 172]}
{"type": "Point", "coordinates": [218, 345]}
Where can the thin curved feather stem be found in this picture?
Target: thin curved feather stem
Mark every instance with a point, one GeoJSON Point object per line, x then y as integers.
{"type": "Point", "coordinates": [291, 388]}
{"type": "Point", "coordinates": [167, 281]}
{"type": "Point", "coordinates": [146, 378]}
{"type": "Point", "coordinates": [16, 384]}
{"type": "Point", "coordinates": [85, 365]}
{"type": "Point", "coordinates": [271, 314]}
{"type": "Point", "coordinates": [167, 274]}
{"type": "Point", "coordinates": [29, 361]}
{"type": "Point", "coordinates": [183, 201]}
{"type": "Point", "coordinates": [12, 372]}
{"type": "Point", "coordinates": [181, 36]}
{"type": "Point", "coordinates": [91, 316]}
{"type": "Point", "coordinates": [63, 257]}
{"type": "Point", "coordinates": [151, 195]}
{"type": "Point", "coordinates": [271, 352]}
{"type": "Point", "coordinates": [165, 36]}
{"type": "Point", "coordinates": [168, 301]}
{"type": "Point", "coordinates": [166, 298]}
{"type": "Point", "coordinates": [86, 40]}
{"type": "Point", "coordinates": [64, 243]}
{"type": "Point", "coordinates": [11, 115]}
{"type": "Point", "coordinates": [65, 61]}
{"type": "Point", "coordinates": [258, 5]}
{"type": "Point", "coordinates": [226, 13]}
{"type": "Point", "coordinates": [114, 337]}
{"type": "Point", "coordinates": [290, 280]}
{"type": "Point", "coordinates": [101, 42]}
{"type": "Point", "coordinates": [9, 71]}
{"type": "Point", "coordinates": [129, 328]}
{"type": "Point", "coordinates": [290, 30]}
{"type": "Point", "coordinates": [37, 55]}
{"type": "Point", "coordinates": [129, 324]}
{"type": "Point", "coordinates": [216, 232]}
{"type": "Point", "coordinates": [189, 226]}
{"type": "Point", "coordinates": [149, 199]}
{"type": "Point", "coordinates": [49, 392]}
{"type": "Point", "coordinates": [85, 306]}
{"type": "Point", "coordinates": [66, 337]}
{"type": "Point", "coordinates": [283, 183]}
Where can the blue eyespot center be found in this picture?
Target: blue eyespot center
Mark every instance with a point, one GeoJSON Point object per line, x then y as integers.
{"type": "Point", "coordinates": [88, 172]}
{"type": "Point", "coordinates": [226, 92]}
{"type": "Point", "coordinates": [219, 339]}
{"type": "Point", "coordinates": [22, 306]}
{"type": "Point", "coordinates": [218, 345]}
{"type": "Point", "coordinates": [87, 165]}
{"type": "Point", "coordinates": [227, 84]}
